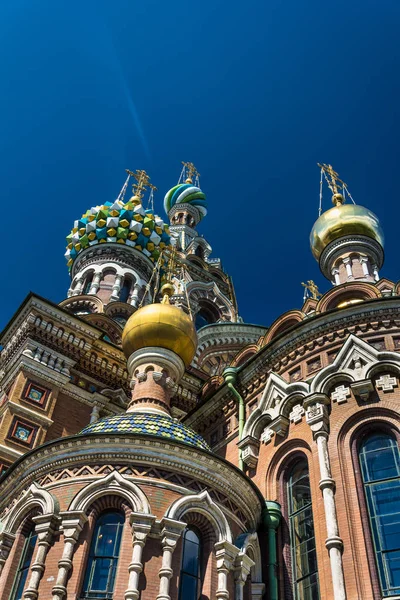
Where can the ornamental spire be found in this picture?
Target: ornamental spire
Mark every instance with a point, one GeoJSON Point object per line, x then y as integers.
{"type": "Point", "coordinates": [189, 173]}
{"type": "Point", "coordinates": [142, 184]}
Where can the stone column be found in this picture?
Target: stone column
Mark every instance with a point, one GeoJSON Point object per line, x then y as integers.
{"type": "Point", "coordinates": [134, 301]}
{"type": "Point", "coordinates": [78, 286]}
{"type": "Point", "coordinates": [72, 525]}
{"type": "Point", "coordinates": [335, 273]}
{"type": "Point", "coordinates": [94, 288]}
{"type": "Point", "coordinates": [243, 564]}
{"type": "Point", "coordinates": [364, 265]}
{"type": "Point", "coordinates": [347, 263]}
{"type": "Point", "coordinates": [375, 272]}
{"type": "Point", "coordinates": [45, 526]}
{"type": "Point", "coordinates": [6, 542]}
{"type": "Point", "coordinates": [116, 287]}
{"type": "Point", "coordinates": [141, 526]}
{"type": "Point", "coordinates": [170, 534]}
{"type": "Point", "coordinates": [226, 554]}
{"type": "Point", "coordinates": [317, 418]}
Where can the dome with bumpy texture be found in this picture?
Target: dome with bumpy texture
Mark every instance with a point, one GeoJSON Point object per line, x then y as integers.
{"type": "Point", "coordinates": [186, 193]}
{"type": "Point", "coordinates": [343, 220]}
{"type": "Point", "coordinates": [162, 426]}
{"type": "Point", "coordinates": [120, 223]}
{"type": "Point", "coordinates": [161, 326]}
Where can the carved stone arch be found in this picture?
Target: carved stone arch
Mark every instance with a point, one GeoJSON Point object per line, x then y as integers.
{"type": "Point", "coordinates": [276, 390]}
{"type": "Point", "coordinates": [107, 325]}
{"type": "Point", "coordinates": [256, 423]}
{"type": "Point", "coordinates": [289, 402]}
{"type": "Point", "coordinates": [116, 485]}
{"type": "Point", "coordinates": [347, 291]}
{"type": "Point", "coordinates": [284, 322]}
{"type": "Point", "coordinates": [210, 292]}
{"type": "Point", "coordinates": [385, 286]}
{"type": "Point", "coordinates": [383, 367]}
{"type": "Point", "coordinates": [35, 497]}
{"type": "Point", "coordinates": [84, 301]}
{"type": "Point", "coordinates": [244, 354]}
{"type": "Point", "coordinates": [203, 504]}
{"type": "Point", "coordinates": [248, 543]}
{"type": "Point", "coordinates": [356, 358]}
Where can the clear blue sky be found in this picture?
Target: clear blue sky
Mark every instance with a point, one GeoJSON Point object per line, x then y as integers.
{"type": "Point", "coordinates": [254, 93]}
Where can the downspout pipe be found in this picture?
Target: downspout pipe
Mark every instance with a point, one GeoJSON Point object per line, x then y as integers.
{"type": "Point", "coordinates": [271, 516]}
{"type": "Point", "coordinates": [230, 376]}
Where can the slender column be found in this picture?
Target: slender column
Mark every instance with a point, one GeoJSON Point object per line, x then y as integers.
{"type": "Point", "coordinates": [271, 518]}
{"type": "Point", "coordinates": [116, 287]}
{"type": "Point", "coordinates": [94, 288]}
{"type": "Point", "coordinates": [375, 272]}
{"type": "Point", "coordinates": [45, 526]}
{"type": "Point", "coordinates": [335, 273]}
{"type": "Point", "coordinates": [141, 526]}
{"type": "Point", "coordinates": [78, 286]}
{"type": "Point", "coordinates": [317, 418]}
{"type": "Point", "coordinates": [347, 263]}
{"type": "Point", "coordinates": [134, 301]}
{"type": "Point", "coordinates": [243, 564]}
{"type": "Point", "coordinates": [364, 265]}
{"type": "Point", "coordinates": [72, 524]}
{"type": "Point", "coordinates": [226, 554]}
{"type": "Point", "coordinates": [6, 542]}
{"type": "Point", "coordinates": [171, 532]}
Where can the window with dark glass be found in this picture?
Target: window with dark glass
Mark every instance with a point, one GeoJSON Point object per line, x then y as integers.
{"type": "Point", "coordinates": [88, 283]}
{"type": "Point", "coordinates": [190, 579]}
{"type": "Point", "coordinates": [24, 566]}
{"type": "Point", "coordinates": [103, 557]}
{"type": "Point", "coordinates": [302, 537]}
{"type": "Point", "coordinates": [380, 468]}
{"type": "Point", "coordinates": [125, 291]}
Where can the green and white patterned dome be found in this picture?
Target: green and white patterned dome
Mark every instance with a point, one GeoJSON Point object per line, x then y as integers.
{"type": "Point", "coordinates": [120, 223]}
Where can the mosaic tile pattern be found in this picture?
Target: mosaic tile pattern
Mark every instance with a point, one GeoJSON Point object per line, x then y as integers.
{"type": "Point", "coordinates": [186, 193]}
{"type": "Point", "coordinates": [148, 424]}
{"type": "Point", "coordinates": [121, 223]}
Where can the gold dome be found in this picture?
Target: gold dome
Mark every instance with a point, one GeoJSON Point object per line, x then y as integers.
{"type": "Point", "coordinates": [161, 326]}
{"type": "Point", "coordinates": [342, 220]}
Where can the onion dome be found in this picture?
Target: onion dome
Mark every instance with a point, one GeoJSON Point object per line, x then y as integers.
{"type": "Point", "coordinates": [120, 223]}
{"type": "Point", "coordinates": [186, 193]}
{"type": "Point", "coordinates": [343, 220]}
{"type": "Point", "coordinates": [161, 326]}
{"type": "Point", "coordinates": [158, 425]}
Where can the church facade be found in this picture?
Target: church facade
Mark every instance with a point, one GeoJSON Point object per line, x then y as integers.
{"type": "Point", "coordinates": [155, 446]}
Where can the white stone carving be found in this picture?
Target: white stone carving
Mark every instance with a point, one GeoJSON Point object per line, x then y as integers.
{"type": "Point", "coordinates": [297, 413]}
{"type": "Point", "coordinates": [386, 383]}
{"type": "Point", "coordinates": [267, 435]}
{"type": "Point", "coordinates": [340, 394]}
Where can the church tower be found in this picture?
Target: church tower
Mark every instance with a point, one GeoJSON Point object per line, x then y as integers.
{"type": "Point", "coordinates": [347, 240]}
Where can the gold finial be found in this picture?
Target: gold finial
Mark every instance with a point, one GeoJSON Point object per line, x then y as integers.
{"type": "Point", "coordinates": [142, 183]}
{"type": "Point", "coordinates": [335, 184]}
{"type": "Point", "coordinates": [191, 171]}
{"type": "Point", "coordinates": [312, 287]}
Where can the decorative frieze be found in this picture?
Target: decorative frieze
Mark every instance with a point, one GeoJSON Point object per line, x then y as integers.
{"type": "Point", "coordinates": [386, 383]}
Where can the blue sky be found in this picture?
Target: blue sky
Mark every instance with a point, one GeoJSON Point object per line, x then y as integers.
{"type": "Point", "coordinates": [254, 93]}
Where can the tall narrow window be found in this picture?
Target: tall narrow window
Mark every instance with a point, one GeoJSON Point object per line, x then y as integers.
{"type": "Point", "coordinates": [103, 557]}
{"type": "Point", "coordinates": [302, 538]}
{"type": "Point", "coordinates": [125, 291]}
{"type": "Point", "coordinates": [24, 566]}
{"type": "Point", "coordinates": [190, 579]}
{"type": "Point", "coordinates": [380, 467]}
{"type": "Point", "coordinates": [88, 283]}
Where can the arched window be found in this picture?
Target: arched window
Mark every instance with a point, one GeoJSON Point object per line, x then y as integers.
{"type": "Point", "coordinates": [380, 467]}
{"type": "Point", "coordinates": [88, 283]}
{"type": "Point", "coordinates": [125, 290]}
{"type": "Point", "coordinates": [207, 314]}
{"type": "Point", "coordinates": [190, 578]}
{"type": "Point", "coordinates": [103, 557]}
{"type": "Point", "coordinates": [302, 538]}
{"type": "Point", "coordinates": [24, 565]}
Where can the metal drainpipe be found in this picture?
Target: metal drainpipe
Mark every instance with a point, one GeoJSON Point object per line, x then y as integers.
{"type": "Point", "coordinates": [271, 518]}
{"type": "Point", "coordinates": [230, 376]}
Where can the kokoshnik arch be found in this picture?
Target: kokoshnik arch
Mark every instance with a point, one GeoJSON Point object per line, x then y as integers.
{"type": "Point", "coordinates": [155, 446]}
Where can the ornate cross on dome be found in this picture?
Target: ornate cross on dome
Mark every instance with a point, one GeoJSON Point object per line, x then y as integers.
{"type": "Point", "coordinates": [143, 182]}
{"type": "Point", "coordinates": [191, 171]}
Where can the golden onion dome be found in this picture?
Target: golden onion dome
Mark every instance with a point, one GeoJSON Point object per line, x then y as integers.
{"type": "Point", "coordinates": [161, 326]}
{"type": "Point", "coordinates": [342, 220]}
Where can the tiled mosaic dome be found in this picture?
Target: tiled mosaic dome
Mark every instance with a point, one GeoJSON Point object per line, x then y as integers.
{"type": "Point", "coordinates": [121, 223]}
{"type": "Point", "coordinates": [186, 193]}
{"type": "Point", "coordinates": [148, 424]}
